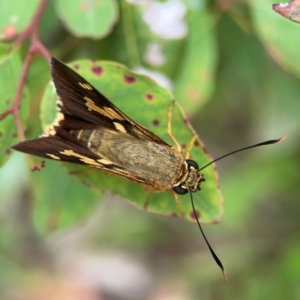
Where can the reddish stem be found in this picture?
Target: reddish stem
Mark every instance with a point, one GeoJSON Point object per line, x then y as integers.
{"type": "Point", "coordinates": [32, 30]}
{"type": "Point", "coordinates": [33, 24]}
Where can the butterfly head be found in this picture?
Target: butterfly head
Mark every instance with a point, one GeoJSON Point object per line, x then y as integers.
{"type": "Point", "coordinates": [190, 180]}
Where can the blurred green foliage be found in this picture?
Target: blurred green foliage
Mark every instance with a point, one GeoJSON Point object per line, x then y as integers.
{"type": "Point", "coordinates": [234, 67]}
{"type": "Point", "coordinates": [9, 76]}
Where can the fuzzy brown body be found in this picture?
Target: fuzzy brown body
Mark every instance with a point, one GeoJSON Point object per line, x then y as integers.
{"type": "Point", "coordinates": [153, 163]}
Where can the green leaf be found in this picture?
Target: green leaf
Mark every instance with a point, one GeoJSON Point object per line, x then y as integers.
{"type": "Point", "coordinates": [60, 200]}
{"type": "Point", "coordinates": [138, 42]}
{"type": "Point", "coordinates": [277, 35]}
{"type": "Point", "coordinates": [148, 104]}
{"type": "Point", "coordinates": [50, 23]}
{"type": "Point", "coordinates": [188, 55]}
{"type": "Point", "coordinates": [11, 66]}
{"type": "Point", "coordinates": [194, 83]}
{"type": "Point", "coordinates": [92, 18]}
{"type": "Point", "coordinates": [15, 15]}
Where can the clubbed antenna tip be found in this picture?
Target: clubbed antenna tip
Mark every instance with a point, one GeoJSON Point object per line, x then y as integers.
{"type": "Point", "coordinates": [224, 275]}
{"type": "Point", "coordinates": [283, 138]}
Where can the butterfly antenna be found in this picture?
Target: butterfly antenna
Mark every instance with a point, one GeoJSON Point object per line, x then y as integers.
{"type": "Point", "coordinates": [217, 260]}
{"type": "Point", "coordinates": [214, 255]}
{"type": "Point", "coordinates": [270, 142]}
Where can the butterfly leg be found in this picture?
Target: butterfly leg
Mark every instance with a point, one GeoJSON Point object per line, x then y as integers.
{"type": "Point", "coordinates": [170, 126]}
{"type": "Point", "coordinates": [177, 202]}
{"type": "Point", "coordinates": [192, 142]}
{"type": "Point", "coordinates": [148, 200]}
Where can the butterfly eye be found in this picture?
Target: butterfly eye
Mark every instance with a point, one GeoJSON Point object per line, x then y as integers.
{"type": "Point", "coordinates": [180, 190]}
{"type": "Point", "coordinates": [192, 163]}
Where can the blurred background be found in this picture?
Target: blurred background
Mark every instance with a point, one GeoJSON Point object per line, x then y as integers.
{"type": "Point", "coordinates": [234, 66]}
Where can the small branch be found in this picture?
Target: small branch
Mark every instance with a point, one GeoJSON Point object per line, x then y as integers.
{"type": "Point", "coordinates": [36, 45]}
{"type": "Point", "coordinates": [21, 83]}
{"type": "Point", "coordinates": [33, 24]}
{"type": "Point", "coordinates": [32, 30]}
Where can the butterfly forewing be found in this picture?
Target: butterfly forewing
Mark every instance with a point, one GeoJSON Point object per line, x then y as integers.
{"type": "Point", "coordinates": [80, 99]}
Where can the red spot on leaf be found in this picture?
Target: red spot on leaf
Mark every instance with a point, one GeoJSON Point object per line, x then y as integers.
{"type": "Point", "coordinates": [76, 67]}
{"type": "Point", "coordinates": [85, 183]}
{"type": "Point", "coordinates": [183, 146]}
{"type": "Point", "coordinates": [155, 122]}
{"type": "Point", "coordinates": [174, 214]}
{"type": "Point", "coordinates": [97, 70]}
{"type": "Point", "coordinates": [196, 144]}
{"type": "Point", "coordinates": [149, 97]}
{"type": "Point", "coordinates": [9, 31]}
{"type": "Point", "coordinates": [186, 121]}
{"type": "Point", "coordinates": [192, 214]}
{"type": "Point", "coordinates": [129, 79]}
{"type": "Point", "coordinates": [84, 6]}
{"type": "Point", "coordinates": [39, 167]}
{"type": "Point", "coordinates": [8, 151]}
{"type": "Point", "coordinates": [215, 222]}
{"type": "Point", "coordinates": [205, 150]}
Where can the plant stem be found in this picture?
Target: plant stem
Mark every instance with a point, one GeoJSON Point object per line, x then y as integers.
{"type": "Point", "coordinates": [32, 31]}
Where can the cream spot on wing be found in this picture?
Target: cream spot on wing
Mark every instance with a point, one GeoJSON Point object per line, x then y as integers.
{"type": "Point", "coordinates": [46, 134]}
{"type": "Point", "coordinates": [104, 161]}
{"type": "Point", "coordinates": [85, 86]}
{"type": "Point", "coordinates": [86, 160]}
{"type": "Point", "coordinates": [92, 106]}
{"type": "Point", "coordinates": [53, 156]}
{"type": "Point", "coordinates": [106, 111]}
{"type": "Point", "coordinates": [59, 102]}
{"type": "Point", "coordinates": [50, 128]}
{"type": "Point", "coordinates": [113, 113]}
{"type": "Point", "coordinates": [120, 127]}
